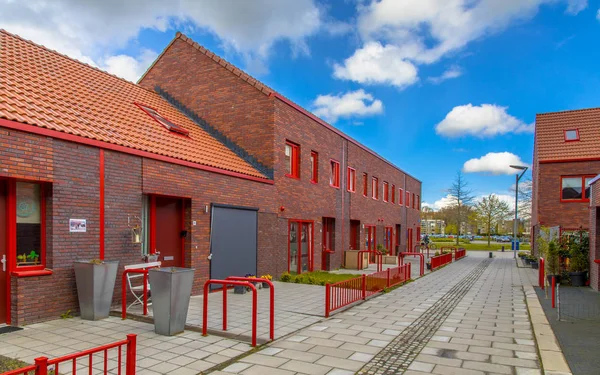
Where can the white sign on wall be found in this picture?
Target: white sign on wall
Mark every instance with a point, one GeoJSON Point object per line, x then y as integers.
{"type": "Point", "coordinates": [77, 225]}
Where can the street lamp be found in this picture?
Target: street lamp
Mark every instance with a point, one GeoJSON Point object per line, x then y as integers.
{"type": "Point", "coordinates": [524, 169]}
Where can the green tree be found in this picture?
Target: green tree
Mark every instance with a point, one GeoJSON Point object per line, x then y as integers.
{"type": "Point", "coordinates": [461, 198]}
{"type": "Point", "coordinates": [491, 211]}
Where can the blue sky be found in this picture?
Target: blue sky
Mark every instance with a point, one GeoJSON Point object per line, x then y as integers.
{"type": "Point", "coordinates": [435, 86]}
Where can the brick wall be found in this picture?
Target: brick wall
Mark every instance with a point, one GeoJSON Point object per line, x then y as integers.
{"type": "Point", "coordinates": [594, 226]}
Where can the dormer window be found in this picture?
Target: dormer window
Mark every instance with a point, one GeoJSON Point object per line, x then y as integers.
{"type": "Point", "coordinates": [571, 135]}
{"type": "Point", "coordinates": [163, 121]}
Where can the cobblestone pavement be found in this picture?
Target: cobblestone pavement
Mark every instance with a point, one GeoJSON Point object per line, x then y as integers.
{"type": "Point", "coordinates": [468, 318]}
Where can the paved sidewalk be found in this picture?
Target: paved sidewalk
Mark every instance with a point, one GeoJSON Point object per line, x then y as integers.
{"type": "Point", "coordinates": [468, 318]}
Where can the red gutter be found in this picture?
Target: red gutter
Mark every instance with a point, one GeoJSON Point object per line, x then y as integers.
{"type": "Point", "coordinates": [336, 131]}
{"type": "Point", "coordinates": [571, 160]}
{"type": "Point", "coordinates": [101, 204]}
{"type": "Point", "coordinates": [126, 150]}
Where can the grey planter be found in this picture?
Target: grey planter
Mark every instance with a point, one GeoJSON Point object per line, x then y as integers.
{"type": "Point", "coordinates": [171, 290]}
{"type": "Point", "coordinates": [95, 286]}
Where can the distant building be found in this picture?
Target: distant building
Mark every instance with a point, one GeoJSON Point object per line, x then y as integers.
{"type": "Point", "coordinates": [432, 226]}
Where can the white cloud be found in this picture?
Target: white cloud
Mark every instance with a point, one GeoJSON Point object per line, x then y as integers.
{"type": "Point", "coordinates": [375, 63]}
{"type": "Point", "coordinates": [443, 202]}
{"type": "Point", "coordinates": [350, 104]}
{"type": "Point", "coordinates": [128, 67]}
{"type": "Point", "coordinates": [447, 201]}
{"type": "Point", "coordinates": [576, 6]}
{"type": "Point", "coordinates": [486, 120]}
{"type": "Point", "coordinates": [93, 31]}
{"type": "Point", "coordinates": [453, 72]}
{"type": "Point", "coordinates": [495, 163]}
{"type": "Point", "coordinates": [598, 15]}
{"type": "Point", "coordinates": [425, 31]}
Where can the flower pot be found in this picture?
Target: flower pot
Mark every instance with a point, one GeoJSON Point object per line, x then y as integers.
{"type": "Point", "coordinates": [390, 259]}
{"type": "Point", "coordinates": [428, 266]}
{"type": "Point", "coordinates": [171, 290]}
{"type": "Point", "coordinates": [549, 278]}
{"type": "Point", "coordinates": [534, 264]}
{"type": "Point", "coordinates": [95, 286]}
{"type": "Point", "coordinates": [578, 278]}
{"type": "Point", "coordinates": [237, 289]}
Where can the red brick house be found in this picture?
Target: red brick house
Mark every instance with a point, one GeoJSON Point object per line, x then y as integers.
{"type": "Point", "coordinates": [196, 152]}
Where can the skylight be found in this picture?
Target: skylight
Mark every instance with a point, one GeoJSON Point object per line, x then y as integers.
{"type": "Point", "coordinates": [163, 121]}
{"type": "Point", "coordinates": [571, 135]}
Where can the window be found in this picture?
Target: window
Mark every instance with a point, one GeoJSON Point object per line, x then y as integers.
{"type": "Point", "coordinates": [292, 160]}
{"type": "Point", "coordinates": [418, 203]}
{"type": "Point", "coordinates": [413, 201]}
{"type": "Point", "coordinates": [575, 188]}
{"type": "Point", "coordinates": [365, 184]}
{"type": "Point", "coordinates": [407, 198]}
{"type": "Point", "coordinates": [334, 178]}
{"type": "Point", "coordinates": [314, 167]}
{"type": "Point", "coordinates": [375, 188]}
{"type": "Point", "coordinates": [30, 218]}
{"type": "Point", "coordinates": [351, 183]}
{"type": "Point", "coordinates": [571, 135]}
{"type": "Point", "coordinates": [394, 194]}
{"type": "Point", "coordinates": [163, 121]}
{"type": "Point", "coordinates": [386, 192]}
{"type": "Point", "coordinates": [400, 196]}
{"type": "Point", "coordinates": [300, 246]}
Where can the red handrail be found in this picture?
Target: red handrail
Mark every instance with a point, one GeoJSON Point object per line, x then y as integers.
{"type": "Point", "coordinates": [224, 283]}
{"type": "Point", "coordinates": [271, 299]}
{"type": "Point", "coordinates": [42, 363]}
{"type": "Point", "coordinates": [422, 262]}
{"type": "Point", "coordinates": [378, 256]}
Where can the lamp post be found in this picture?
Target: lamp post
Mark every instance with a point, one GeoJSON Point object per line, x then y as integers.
{"type": "Point", "coordinates": [518, 176]}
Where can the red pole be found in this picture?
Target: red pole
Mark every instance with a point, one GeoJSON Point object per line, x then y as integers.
{"type": "Point", "coordinates": [272, 317]}
{"type": "Point", "coordinates": [205, 309]}
{"type": "Point", "coordinates": [422, 266]}
{"type": "Point", "coordinates": [388, 277]}
{"type": "Point", "coordinates": [400, 259]}
{"type": "Point", "coordinates": [409, 270]}
{"type": "Point", "coordinates": [41, 366]}
{"type": "Point", "coordinates": [254, 314]}
{"type": "Point", "coordinates": [553, 291]}
{"type": "Point", "coordinates": [327, 299]}
{"type": "Point", "coordinates": [131, 354]}
{"type": "Point", "coordinates": [224, 307]}
{"type": "Point", "coordinates": [124, 295]}
{"type": "Point", "coordinates": [146, 292]}
{"type": "Point", "coordinates": [364, 286]}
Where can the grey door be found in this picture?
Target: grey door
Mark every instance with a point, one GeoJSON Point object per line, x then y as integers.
{"type": "Point", "coordinates": [233, 241]}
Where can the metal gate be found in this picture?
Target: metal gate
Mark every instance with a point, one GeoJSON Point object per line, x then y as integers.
{"type": "Point", "coordinates": [233, 239]}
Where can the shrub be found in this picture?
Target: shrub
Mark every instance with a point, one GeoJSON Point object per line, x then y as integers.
{"type": "Point", "coordinates": [286, 277]}
{"type": "Point", "coordinates": [323, 282]}
{"type": "Point", "coordinates": [552, 260]}
{"type": "Point", "coordinates": [311, 280]}
{"type": "Point", "coordinates": [437, 253]}
{"type": "Point", "coordinates": [299, 279]}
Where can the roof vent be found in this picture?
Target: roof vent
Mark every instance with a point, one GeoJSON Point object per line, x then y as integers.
{"type": "Point", "coordinates": [161, 120]}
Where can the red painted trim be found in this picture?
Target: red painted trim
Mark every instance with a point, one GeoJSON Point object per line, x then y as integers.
{"type": "Point", "coordinates": [152, 224]}
{"type": "Point", "coordinates": [298, 237]}
{"type": "Point", "coordinates": [375, 188]}
{"type": "Point", "coordinates": [31, 273]}
{"type": "Point", "coordinates": [336, 131]}
{"type": "Point", "coordinates": [386, 191]}
{"type": "Point", "coordinates": [42, 266]}
{"type": "Point", "coordinates": [365, 185]}
{"type": "Point", "coordinates": [351, 180]}
{"type": "Point", "coordinates": [126, 150]}
{"type": "Point", "coordinates": [314, 178]}
{"type": "Point", "coordinates": [101, 226]}
{"type": "Point", "coordinates": [393, 190]}
{"type": "Point", "coordinates": [571, 140]}
{"type": "Point", "coordinates": [295, 159]}
{"type": "Point", "coordinates": [11, 246]}
{"type": "Point", "coordinates": [582, 200]}
{"type": "Point", "coordinates": [334, 180]}
{"type": "Point", "coordinates": [183, 228]}
{"type": "Point", "coordinates": [400, 196]}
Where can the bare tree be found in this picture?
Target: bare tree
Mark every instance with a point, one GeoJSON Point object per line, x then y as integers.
{"type": "Point", "coordinates": [491, 210]}
{"type": "Point", "coordinates": [461, 197]}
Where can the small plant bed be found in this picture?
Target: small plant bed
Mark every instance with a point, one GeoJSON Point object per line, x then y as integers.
{"type": "Point", "coordinates": [316, 278]}
{"type": "Point", "coordinates": [484, 246]}
{"type": "Point", "coordinates": [10, 364]}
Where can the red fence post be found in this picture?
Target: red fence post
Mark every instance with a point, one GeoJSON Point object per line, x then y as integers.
{"type": "Point", "coordinates": [205, 309]}
{"type": "Point", "coordinates": [553, 291]}
{"type": "Point", "coordinates": [146, 293]}
{"type": "Point", "coordinates": [364, 286]}
{"type": "Point", "coordinates": [327, 299]}
{"type": "Point", "coordinates": [254, 314]}
{"type": "Point", "coordinates": [388, 277]}
{"type": "Point", "coordinates": [272, 309]}
{"type": "Point", "coordinates": [124, 295]}
{"type": "Point", "coordinates": [224, 307]}
{"type": "Point", "coordinates": [41, 366]}
{"type": "Point", "coordinates": [131, 354]}
{"type": "Point", "coordinates": [541, 273]}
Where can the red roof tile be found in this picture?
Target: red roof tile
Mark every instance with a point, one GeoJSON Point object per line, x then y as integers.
{"type": "Point", "coordinates": [41, 87]}
{"type": "Point", "coordinates": [550, 139]}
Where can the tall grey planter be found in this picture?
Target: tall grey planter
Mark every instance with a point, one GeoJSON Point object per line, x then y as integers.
{"type": "Point", "coordinates": [95, 286]}
{"type": "Point", "coordinates": [171, 290]}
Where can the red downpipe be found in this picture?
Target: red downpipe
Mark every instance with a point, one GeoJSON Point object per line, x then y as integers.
{"type": "Point", "coordinates": [101, 204]}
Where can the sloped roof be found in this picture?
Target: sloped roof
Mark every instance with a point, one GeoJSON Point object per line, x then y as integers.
{"type": "Point", "coordinates": [43, 88]}
{"type": "Point", "coordinates": [550, 139]}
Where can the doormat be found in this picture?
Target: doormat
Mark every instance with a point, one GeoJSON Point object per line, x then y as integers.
{"type": "Point", "coordinates": [9, 329]}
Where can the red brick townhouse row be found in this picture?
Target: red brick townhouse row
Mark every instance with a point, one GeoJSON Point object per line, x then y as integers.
{"type": "Point", "coordinates": [221, 173]}
{"type": "Point", "coordinates": [566, 159]}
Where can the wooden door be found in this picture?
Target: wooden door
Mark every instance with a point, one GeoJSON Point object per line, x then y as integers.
{"type": "Point", "coordinates": [168, 231]}
{"type": "Point", "coordinates": [4, 291]}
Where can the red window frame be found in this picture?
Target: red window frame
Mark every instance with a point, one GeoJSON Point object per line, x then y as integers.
{"type": "Point", "coordinates": [375, 188]}
{"type": "Point", "coordinates": [418, 202]}
{"type": "Point", "coordinates": [393, 194]}
{"type": "Point", "coordinates": [583, 188]}
{"type": "Point", "coordinates": [400, 196]}
{"type": "Point", "coordinates": [334, 178]}
{"type": "Point", "coordinates": [370, 234]}
{"type": "Point", "coordinates": [294, 167]}
{"type": "Point", "coordinates": [407, 199]}
{"type": "Point", "coordinates": [413, 201]}
{"type": "Point", "coordinates": [576, 135]}
{"type": "Point", "coordinates": [351, 180]}
{"type": "Point", "coordinates": [386, 191]}
{"type": "Point", "coordinates": [365, 184]}
{"type": "Point", "coordinates": [314, 162]}
{"type": "Point", "coordinates": [311, 247]}
{"type": "Point", "coordinates": [165, 122]}
{"type": "Point", "coordinates": [388, 238]}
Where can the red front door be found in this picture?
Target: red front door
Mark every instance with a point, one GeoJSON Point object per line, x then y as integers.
{"type": "Point", "coordinates": [354, 235]}
{"type": "Point", "coordinates": [168, 231]}
{"type": "Point", "coordinates": [4, 291]}
{"type": "Point", "coordinates": [328, 243]}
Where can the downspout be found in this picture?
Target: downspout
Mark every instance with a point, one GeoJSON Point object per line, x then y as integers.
{"type": "Point", "coordinates": [405, 214]}
{"type": "Point", "coordinates": [344, 177]}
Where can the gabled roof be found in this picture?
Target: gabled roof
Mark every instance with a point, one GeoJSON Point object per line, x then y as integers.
{"type": "Point", "coordinates": [550, 130]}
{"type": "Point", "coordinates": [43, 88]}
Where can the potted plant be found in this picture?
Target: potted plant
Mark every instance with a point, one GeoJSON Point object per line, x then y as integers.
{"type": "Point", "coordinates": [428, 264]}
{"type": "Point", "coordinates": [578, 264]}
{"type": "Point", "coordinates": [171, 290]}
{"type": "Point", "coordinates": [266, 277]}
{"type": "Point", "coordinates": [552, 262]}
{"type": "Point", "coordinates": [33, 257]}
{"type": "Point", "coordinates": [95, 281]}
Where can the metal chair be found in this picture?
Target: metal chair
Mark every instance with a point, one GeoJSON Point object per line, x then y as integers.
{"type": "Point", "coordinates": [138, 290]}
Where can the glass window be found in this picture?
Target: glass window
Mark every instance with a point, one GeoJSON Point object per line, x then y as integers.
{"type": "Point", "coordinates": [400, 196]}
{"type": "Point", "coordinates": [292, 160]}
{"type": "Point", "coordinates": [314, 167]}
{"type": "Point", "coordinates": [163, 121]}
{"type": "Point", "coordinates": [29, 224]}
{"type": "Point", "coordinates": [572, 135]}
{"type": "Point", "coordinates": [375, 188]}
{"type": "Point", "coordinates": [365, 184]}
{"type": "Point", "coordinates": [386, 192]}
{"type": "Point", "coordinates": [393, 193]}
{"type": "Point", "coordinates": [351, 180]}
{"type": "Point", "coordinates": [571, 188]}
{"type": "Point", "coordinates": [334, 178]}
{"type": "Point", "coordinates": [586, 185]}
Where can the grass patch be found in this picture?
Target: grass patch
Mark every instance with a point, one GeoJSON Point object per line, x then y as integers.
{"type": "Point", "coordinates": [9, 364]}
{"type": "Point", "coordinates": [484, 246]}
{"type": "Point", "coordinates": [317, 277]}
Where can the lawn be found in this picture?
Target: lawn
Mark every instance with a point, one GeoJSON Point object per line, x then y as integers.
{"type": "Point", "coordinates": [483, 246]}
{"type": "Point", "coordinates": [316, 277]}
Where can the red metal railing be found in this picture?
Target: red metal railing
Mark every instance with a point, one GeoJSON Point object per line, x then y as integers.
{"type": "Point", "coordinates": [460, 253]}
{"type": "Point", "coordinates": [440, 260]}
{"type": "Point", "coordinates": [541, 273]}
{"type": "Point", "coordinates": [451, 249]}
{"type": "Point", "coordinates": [271, 301]}
{"type": "Point", "coordinates": [344, 293]}
{"type": "Point", "coordinates": [378, 258]}
{"type": "Point", "coordinates": [422, 262]}
{"type": "Point", "coordinates": [43, 365]}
